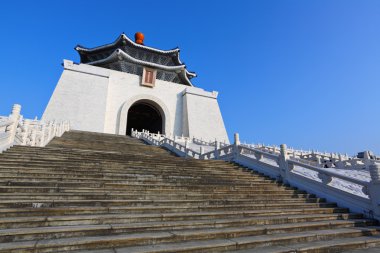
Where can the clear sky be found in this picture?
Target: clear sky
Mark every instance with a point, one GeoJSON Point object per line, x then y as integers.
{"type": "Point", "coordinates": [304, 73]}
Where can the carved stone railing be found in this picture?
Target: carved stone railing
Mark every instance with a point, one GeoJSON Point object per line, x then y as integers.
{"type": "Point", "coordinates": [14, 130]}
{"type": "Point", "coordinates": [209, 143]}
{"type": "Point", "coordinates": [283, 164]}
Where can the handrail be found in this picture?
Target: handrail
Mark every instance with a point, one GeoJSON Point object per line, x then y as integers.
{"type": "Point", "coordinates": [6, 123]}
{"type": "Point", "coordinates": [267, 154]}
{"type": "Point", "coordinates": [330, 173]}
{"type": "Point", "coordinates": [283, 167]}
{"type": "Point", "coordinates": [17, 130]}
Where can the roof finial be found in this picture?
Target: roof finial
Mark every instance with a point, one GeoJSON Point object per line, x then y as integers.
{"type": "Point", "coordinates": [139, 38]}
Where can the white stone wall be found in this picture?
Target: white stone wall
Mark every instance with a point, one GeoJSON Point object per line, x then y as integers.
{"type": "Point", "coordinates": [203, 115]}
{"type": "Point", "coordinates": [80, 97]}
{"type": "Point", "coordinates": [98, 99]}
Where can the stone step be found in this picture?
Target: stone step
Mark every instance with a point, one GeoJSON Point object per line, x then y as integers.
{"type": "Point", "coordinates": [64, 154]}
{"type": "Point", "coordinates": [134, 197]}
{"type": "Point", "coordinates": [137, 181]}
{"type": "Point", "coordinates": [131, 170]}
{"type": "Point", "coordinates": [148, 187]}
{"type": "Point", "coordinates": [122, 166]}
{"type": "Point", "coordinates": [347, 245]}
{"type": "Point", "coordinates": [185, 230]}
{"type": "Point", "coordinates": [178, 214]}
{"type": "Point", "coordinates": [96, 158]}
{"type": "Point", "coordinates": [142, 205]}
{"type": "Point", "coordinates": [333, 245]}
{"type": "Point", "coordinates": [190, 241]}
{"type": "Point", "coordinates": [143, 192]}
{"type": "Point", "coordinates": [173, 220]}
{"type": "Point", "coordinates": [79, 201]}
{"type": "Point", "coordinates": [124, 173]}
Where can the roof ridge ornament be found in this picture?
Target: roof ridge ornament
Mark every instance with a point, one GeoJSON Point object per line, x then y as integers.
{"type": "Point", "coordinates": [139, 38]}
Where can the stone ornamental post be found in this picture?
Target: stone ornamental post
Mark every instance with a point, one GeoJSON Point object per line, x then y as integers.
{"type": "Point", "coordinates": [34, 135]}
{"type": "Point", "coordinates": [216, 147]}
{"type": "Point", "coordinates": [283, 163]}
{"type": "Point", "coordinates": [374, 188]}
{"type": "Point", "coordinates": [236, 145]}
{"type": "Point", "coordinates": [60, 129]}
{"type": "Point", "coordinates": [26, 131]}
{"type": "Point", "coordinates": [319, 162]}
{"type": "Point", "coordinates": [54, 128]}
{"type": "Point", "coordinates": [15, 116]}
{"type": "Point", "coordinates": [50, 128]}
{"type": "Point", "coordinates": [42, 139]}
{"type": "Point", "coordinates": [367, 159]}
{"type": "Point", "coordinates": [186, 148]}
{"type": "Point", "coordinates": [236, 139]}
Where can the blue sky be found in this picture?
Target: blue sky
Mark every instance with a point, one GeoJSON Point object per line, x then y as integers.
{"type": "Point", "coordinates": [304, 73]}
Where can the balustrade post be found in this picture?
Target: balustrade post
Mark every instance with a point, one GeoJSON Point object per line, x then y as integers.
{"type": "Point", "coordinates": [258, 156]}
{"type": "Point", "coordinates": [60, 129]}
{"type": "Point", "coordinates": [374, 188]}
{"type": "Point", "coordinates": [236, 139]}
{"type": "Point", "coordinates": [319, 162]}
{"type": "Point", "coordinates": [283, 163]}
{"type": "Point", "coordinates": [15, 117]}
{"type": "Point", "coordinates": [367, 159]}
{"type": "Point", "coordinates": [186, 147]}
{"type": "Point", "coordinates": [54, 128]}
{"type": "Point", "coordinates": [49, 130]}
{"type": "Point", "coordinates": [236, 145]}
{"type": "Point", "coordinates": [216, 147]}
{"type": "Point", "coordinates": [42, 139]}
{"type": "Point", "coordinates": [26, 131]}
{"type": "Point", "coordinates": [67, 126]}
{"type": "Point", "coordinates": [33, 136]}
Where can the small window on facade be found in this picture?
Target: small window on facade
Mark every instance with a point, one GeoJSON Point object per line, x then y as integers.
{"type": "Point", "coordinates": [149, 77]}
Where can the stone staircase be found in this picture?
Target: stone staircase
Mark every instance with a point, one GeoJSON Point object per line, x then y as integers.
{"type": "Point", "coordinates": [90, 192]}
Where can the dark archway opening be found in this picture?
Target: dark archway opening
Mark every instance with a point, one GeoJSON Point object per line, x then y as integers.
{"type": "Point", "coordinates": [144, 116]}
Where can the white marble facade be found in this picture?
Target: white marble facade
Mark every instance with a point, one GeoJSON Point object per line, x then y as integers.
{"type": "Point", "coordinates": [98, 99]}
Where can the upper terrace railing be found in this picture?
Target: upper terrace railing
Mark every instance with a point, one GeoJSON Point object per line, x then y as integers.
{"type": "Point", "coordinates": [14, 130]}
{"type": "Point", "coordinates": [319, 173]}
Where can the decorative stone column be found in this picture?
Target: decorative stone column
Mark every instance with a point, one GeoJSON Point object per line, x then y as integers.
{"type": "Point", "coordinates": [15, 117]}
{"type": "Point", "coordinates": [236, 146]}
{"type": "Point", "coordinates": [186, 148]}
{"type": "Point", "coordinates": [374, 188]}
{"type": "Point", "coordinates": [42, 138]}
{"type": "Point", "coordinates": [33, 136]}
{"type": "Point", "coordinates": [367, 159]}
{"type": "Point", "coordinates": [283, 163]}
{"type": "Point", "coordinates": [236, 139]}
{"type": "Point", "coordinates": [26, 131]}
{"type": "Point", "coordinates": [258, 156]}
{"type": "Point", "coordinates": [201, 150]}
{"type": "Point", "coordinates": [50, 129]}
{"type": "Point", "coordinates": [319, 162]}
{"type": "Point", "coordinates": [216, 147]}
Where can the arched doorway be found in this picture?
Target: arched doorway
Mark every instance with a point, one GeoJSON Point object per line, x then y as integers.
{"type": "Point", "coordinates": [142, 115]}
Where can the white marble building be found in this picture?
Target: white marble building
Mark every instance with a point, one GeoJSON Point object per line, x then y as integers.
{"type": "Point", "coordinates": [126, 85]}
